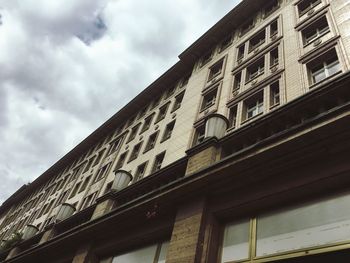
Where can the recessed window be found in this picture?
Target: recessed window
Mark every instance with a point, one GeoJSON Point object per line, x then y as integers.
{"type": "Point", "coordinates": [274, 94]}
{"type": "Point", "coordinates": [233, 117]}
{"type": "Point", "coordinates": [274, 28]}
{"type": "Point", "coordinates": [85, 184]}
{"type": "Point", "coordinates": [307, 5]}
{"type": "Point", "coordinates": [209, 99]}
{"type": "Point", "coordinates": [240, 52]}
{"type": "Point", "coordinates": [199, 135]}
{"type": "Point", "coordinates": [99, 157]}
{"type": "Point", "coordinates": [323, 67]}
{"type": "Point", "coordinates": [143, 112]}
{"type": "Point", "coordinates": [114, 146]}
{"type": "Point", "coordinates": [162, 112]}
{"type": "Point", "coordinates": [247, 27]}
{"type": "Point", "coordinates": [215, 70]}
{"type": "Point", "coordinates": [147, 123]}
{"type": "Point", "coordinates": [89, 164]}
{"type": "Point", "coordinates": [135, 152]}
{"type": "Point", "coordinates": [315, 30]}
{"type": "Point", "coordinates": [178, 101]}
{"type": "Point", "coordinates": [151, 141]}
{"type": "Point", "coordinates": [102, 172]}
{"type": "Point", "coordinates": [168, 131]}
{"type": "Point", "coordinates": [156, 102]}
{"type": "Point", "coordinates": [133, 132]}
{"type": "Point", "coordinates": [131, 120]}
{"type": "Point", "coordinates": [274, 59]}
{"type": "Point", "coordinates": [121, 160]}
{"type": "Point", "coordinates": [271, 7]}
{"type": "Point", "coordinates": [225, 43]}
{"type": "Point", "coordinates": [253, 106]}
{"type": "Point", "coordinates": [158, 162]}
{"type": "Point", "coordinates": [75, 189]}
{"type": "Point", "coordinates": [256, 69]}
{"type": "Point", "coordinates": [206, 58]}
{"type": "Point", "coordinates": [257, 40]}
{"type": "Point", "coordinates": [140, 172]}
{"type": "Point", "coordinates": [237, 82]}
{"type": "Point", "coordinates": [170, 92]}
{"type": "Point", "coordinates": [184, 81]}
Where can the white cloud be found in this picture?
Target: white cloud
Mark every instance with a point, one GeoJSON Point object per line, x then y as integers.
{"type": "Point", "coordinates": [67, 66]}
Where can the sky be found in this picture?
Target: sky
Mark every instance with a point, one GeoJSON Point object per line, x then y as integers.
{"type": "Point", "coordinates": [68, 66]}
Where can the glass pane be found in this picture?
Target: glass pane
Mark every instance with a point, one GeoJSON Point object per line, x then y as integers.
{"type": "Point", "coordinates": [236, 242]}
{"type": "Point", "coordinates": [144, 255]}
{"type": "Point", "coordinates": [318, 76]}
{"type": "Point", "coordinates": [321, 223]}
{"type": "Point", "coordinates": [333, 68]}
{"type": "Point", "coordinates": [163, 251]}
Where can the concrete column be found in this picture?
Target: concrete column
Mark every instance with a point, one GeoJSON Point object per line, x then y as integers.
{"type": "Point", "coordinates": [186, 244]}
{"type": "Point", "coordinates": [85, 255]}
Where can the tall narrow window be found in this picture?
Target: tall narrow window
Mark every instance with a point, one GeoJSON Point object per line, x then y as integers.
{"type": "Point", "coordinates": [170, 92]}
{"type": "Point", "coordinates": [133, 132]}
{"type": "Point", "coordinates": [99, 157]}
{"type": "Point", "coordinates": [271, 7]}
{"type": "Point", "coordinates": [237, 83]}
{"type": "Point", "coordinates": [274, 94]}
{"type": "Point", "coordinates": [143, 112]}
{"type": "Point", "coordinates": [85, 184]}
{"type": "Point", "coordinates": [253, 106]}
{"type": "Point", "coordinates": [185, 80]}
{"type": "Point", "coordinates": [199, 135]}
{"type": "Point", "coordinates": [140, 172]}
{"type": "Point", "coordinates": [147, 123]}
{"type": "Point", "coordinates": [158, 162]}
{"type": "Point", "coordinates": [233, 117]}
{"type": "Point", "coordinates": [206, 58]}
{"type": "Point", "coordinates": [274, 28]}
{"type": "Point", "coordinates": [135, 152]}
{"type": "Point", "coordinates": [209, 99]}
{"type": "Point", "coordinates": [102, 172]}
{"type": "Point", "coordinates": [151, 141]}
{"type": "Point", "coordinates": [178, 101]}
{"type": "Point", "coordinates": [89, 164]}
{"type": "Point", "coordinates": [240, 52]}
{"type": "Point", "coordinates": [168, 130]}
{"type": "Point", "coordinates": [162, 112]}
{"type": "Point", "coordinates": [324, 67]}
{"type": "Point", "coordinates": [75, 189]}
{"type": "Point", "coordinates": [247, 26]}
{"type": "Point", "coordinates": [215, 70]}
{"type": "Point", "coordinates": [114, 146]}
{"type": "Point", "coordinates": [121, 160]}
{"type": "Point", "coordinates": [225, 43]}
{"type": "Point", "coordinates": [274, 57]}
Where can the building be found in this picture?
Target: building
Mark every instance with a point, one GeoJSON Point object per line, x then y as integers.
{"type": "Point", "coordinates": [238, 153]}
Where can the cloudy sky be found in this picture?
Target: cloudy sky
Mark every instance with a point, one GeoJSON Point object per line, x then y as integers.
{"type": "Point", "coordinates": [67, 66]}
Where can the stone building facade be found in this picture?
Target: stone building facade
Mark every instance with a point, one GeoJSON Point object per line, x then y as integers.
{"type": "Point", "coordinates": [238, 153]}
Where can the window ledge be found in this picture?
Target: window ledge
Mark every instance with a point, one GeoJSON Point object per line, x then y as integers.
{"type": "Point", "coordinates": [314, 40]}
{"type": "Point", "coordinates": [252, 118]}
{"type": "Point", "coordinates": [250, 80]}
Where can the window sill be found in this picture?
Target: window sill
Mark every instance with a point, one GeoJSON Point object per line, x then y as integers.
{"type": "Point", "coordinates": [165, 139]}
{"type": "Point", "coordinates": [254, 49]}
{"type": "Point", "coordinates": [252, 118]}
{"type": "Point", "coordinates": [250, 80]}
{"type": "Point", "coordinates": [318, 38]}
{"type": "Point", "coordinates": [206, 108]}
{"type": "Point", "coordinates": [274, 106]}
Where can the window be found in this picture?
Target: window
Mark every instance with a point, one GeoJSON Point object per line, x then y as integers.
{"type": "Point", "coordinates": [158, 162]}
{"type": "Point", "coordinates": [90, 162]}
{"type": "Point", "coordinates": [62, 197]}
{"type": "Point", "coordinates": [215, 70]}
{"type": "Point", "coordinates": [108, 187]}
{"type": "Point", "coordinates": [87, 201]}
{"type": "Point", "coordinates": [131, 120]}
{"type": "Point", "coordinates": [178, 101]}
{"type": "Point", "coordinates": [237, 82]}
{"type": "Point", "coordinates": [257, 40]}
{"type": "Point", "coordinates": [140, 172]}
{"type": "Point", "coordinates": [102, 172]}
{"type": "Point", "coordinates": [162, 112]}
{"type": "Point", "coordinates": [185, 80]}
{"type": "Point", "coordinates": [315, 30]}
{"type": "Point", "coordinates": [256, 69]}
{"type": "Point", "coordinates": [75, 189]}
{"type": "Point", "coordinates": [274, 94]}
{"type": "Point", "coordinates": [114, 146]}
{"type": "Point", "coordinates": [274, 57]}
{"type": "Point", "coordinates": [247, 26]}
{"type": "Point", "coordinates": [85, 184]}
{"type": "Point", "coordinates": [143, 112]}
{"type": "Point", "coordinates": [307, 5]}
{"type": "Point", "coordinates": [274, 28]}
{"type": "Point", "coordinates": [271, 7]}
{"type": "Point", "coordinates": [168, 131]}
{"type": "Point", "coordinates": [170, 92]}
{"type": "Point", "coordinates": [99, 157]}
{"type": "Point", "coordinates": [225, 43]}
{"type": "Point", "coordinates": [233, 117]}
{"type": "Point", "coordinates": [253, 106]}
{"type": "Point", "coordinates": [324, 67]}
{"type": "Point", "coordinates": [240, 52]}
{"type": "Point", "coordinates": [135, 152]}
{"type": "Point", "coordinates": [147, 123]}
{"type": "Point", "coordinates": [199, 135]}
{"type": "Point", "coordinates": [206, 58]}
{"type": "Point", "coordinates": [156, 102]}
{"type": "Point", "coordinates": [133, 132]}
{"type": "Point", "coordinates": [76, 173]}
{"type": "Point", "coordinates": [209, 99]}
{"type": "Point", "coordinates": [151, 141]}
{"type": "Point", "coordinates": [121, 160]}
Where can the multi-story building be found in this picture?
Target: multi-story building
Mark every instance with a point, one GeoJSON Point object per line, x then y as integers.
{"type": "Point", "coordinates": [238, 153]}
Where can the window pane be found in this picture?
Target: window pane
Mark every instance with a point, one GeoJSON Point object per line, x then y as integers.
{"type": "Point", "coordinates": [333, 68]}
{"type": "Point", "coordinates": [144, 255]}
{"type": "Point", "coordinates": [318, 76]}
{"type": "Point", "coordinates": [236, 242]}
{"type": "Point", "coordinates": [316, 224]}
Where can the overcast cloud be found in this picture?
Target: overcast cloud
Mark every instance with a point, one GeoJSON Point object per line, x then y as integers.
{"type": "Point", "coordinates": [67, 66]}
